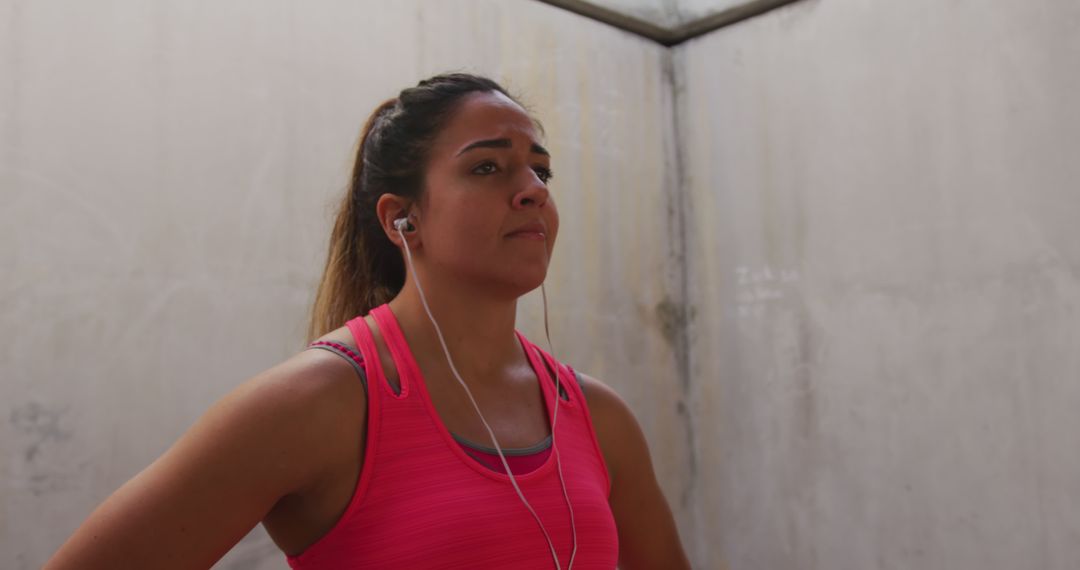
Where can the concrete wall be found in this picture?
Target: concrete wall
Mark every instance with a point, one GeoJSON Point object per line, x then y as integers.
{"type": "Point", "coordinates": [884, 268]}
{"type": "Point", "coordinates": [690, 10]}
{"type": "Point", "coordinates": [671, 14]}
{"type": "Point", "coordinates": [168, 171]}
{"type": "Point", "coordinates": [661, 12]}
{"type": "Point", "coordinates": [845, 310]}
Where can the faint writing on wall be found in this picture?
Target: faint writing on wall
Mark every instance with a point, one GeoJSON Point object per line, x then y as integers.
{"type": "Point", "coordinates": [761, 286]}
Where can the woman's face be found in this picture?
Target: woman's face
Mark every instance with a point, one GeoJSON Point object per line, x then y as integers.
{"type": "Point", "coordinates": [486, 216]}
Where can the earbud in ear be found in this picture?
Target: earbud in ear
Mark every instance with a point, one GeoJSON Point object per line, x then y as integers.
{"type": "Point", "coordinates": [403, 225]}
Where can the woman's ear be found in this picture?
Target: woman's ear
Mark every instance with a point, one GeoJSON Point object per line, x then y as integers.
{"type": "Point", "coordinates": [390, 208]}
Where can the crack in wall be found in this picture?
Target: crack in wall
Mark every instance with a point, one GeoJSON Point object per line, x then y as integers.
{"type": "Point", "coordinates": [676, 314]}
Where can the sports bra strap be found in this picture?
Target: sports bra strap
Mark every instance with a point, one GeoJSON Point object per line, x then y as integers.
{"type": "Point", "coordinates": [353, 357]}
{"type": "Point", "coordinates": [562, 390]}
{"type": "Point", "coordinates": [348, 353]}
{"type": "Point", "coordinates": [357, 361]}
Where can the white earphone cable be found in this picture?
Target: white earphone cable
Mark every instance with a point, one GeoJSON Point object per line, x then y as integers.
{"type": "Point", "coordinates": [398, 225]}
{"type": "Point", "coordinates": [551, 351]}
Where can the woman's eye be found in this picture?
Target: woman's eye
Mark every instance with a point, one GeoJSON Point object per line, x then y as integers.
{"type": "Point", "coordinates": [544, 173]}
{"type": "Point", "coordinates": [485, 168]}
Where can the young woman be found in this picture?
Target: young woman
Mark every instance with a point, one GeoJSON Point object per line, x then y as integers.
{"type": "Point", "coordinates": [421, 430]}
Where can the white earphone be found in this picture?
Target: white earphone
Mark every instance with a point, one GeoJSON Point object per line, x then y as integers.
{"type": "Point", "coordinates": [402, 225]}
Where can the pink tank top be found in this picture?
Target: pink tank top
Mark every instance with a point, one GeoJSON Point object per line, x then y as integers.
{"type": "Point", "coordinates": [422, 501]}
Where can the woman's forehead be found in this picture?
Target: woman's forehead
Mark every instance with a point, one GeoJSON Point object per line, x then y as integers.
{"type": "Point", "coordinates": [487, 116]}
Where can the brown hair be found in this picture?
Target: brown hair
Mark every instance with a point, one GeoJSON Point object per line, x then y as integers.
{"type": "Point", "coordinates": [364, 268]}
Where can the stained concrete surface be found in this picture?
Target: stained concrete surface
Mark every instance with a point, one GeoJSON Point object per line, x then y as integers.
{"type": "Point", "coordinates": [856, 280]}
{"type": "Point", "coordinates": [168, 171]}
{"type": "Point", "coordinates": [664, 13]}
{"type": "Point", "coordinates": [690, 10]}
{"type": "Point", "coordinates": [884, 260]}
{"type": "Point", "coordinates": [670, 14]}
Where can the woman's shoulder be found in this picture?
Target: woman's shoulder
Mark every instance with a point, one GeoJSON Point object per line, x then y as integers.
{"type": "Point", "coordinates": [617, 429]}
{"type": "Point", "coordinates": [317, 394]}
{"type": "Point", "coordinates": [312, 387]}
{"type": "Point", "coordinates": [605, 404]}
{"type": "Point", "coordinates": [316, 376]}
{"type": "Point", "coordinates": [648, 536]}
{"type": "Point", "coordinates": [275, 434]}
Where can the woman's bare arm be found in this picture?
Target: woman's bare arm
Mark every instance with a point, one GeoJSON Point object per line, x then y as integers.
{"type": "Point", "coordinates": [648, 537]}
{"type": "Point", "coordinates": [260, 442]}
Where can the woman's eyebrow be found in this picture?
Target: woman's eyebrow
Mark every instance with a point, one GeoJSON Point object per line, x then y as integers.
{"type": "Point", "coordinates": [501, 143]}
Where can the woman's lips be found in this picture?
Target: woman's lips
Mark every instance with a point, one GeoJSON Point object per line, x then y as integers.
{"type": "Point", "coordinates": [535, 230]}
{"type": "Point", "coordinates": [540, 236]}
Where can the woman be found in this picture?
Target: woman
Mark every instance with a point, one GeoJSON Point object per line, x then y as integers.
{"type": "Point", "coordinates": [409, 439]}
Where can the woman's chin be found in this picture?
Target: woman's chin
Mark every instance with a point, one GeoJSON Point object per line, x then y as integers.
{"type": "Point", "coordinates": [511, 280]}
{"type": "Point", "coordinates": [526, 281]}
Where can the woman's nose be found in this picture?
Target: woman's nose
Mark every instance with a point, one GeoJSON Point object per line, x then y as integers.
{"type": "Point", "coordinates": [535, 193]}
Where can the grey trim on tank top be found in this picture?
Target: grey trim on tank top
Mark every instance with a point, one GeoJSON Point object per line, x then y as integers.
{"type": "Point", "coordinates": [356, 365]}
{"type": "Point", "coordinates": [535, 448]}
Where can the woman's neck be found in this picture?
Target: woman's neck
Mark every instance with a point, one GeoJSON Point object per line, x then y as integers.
{"type": "Point", "coordinates": [479, 331]}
